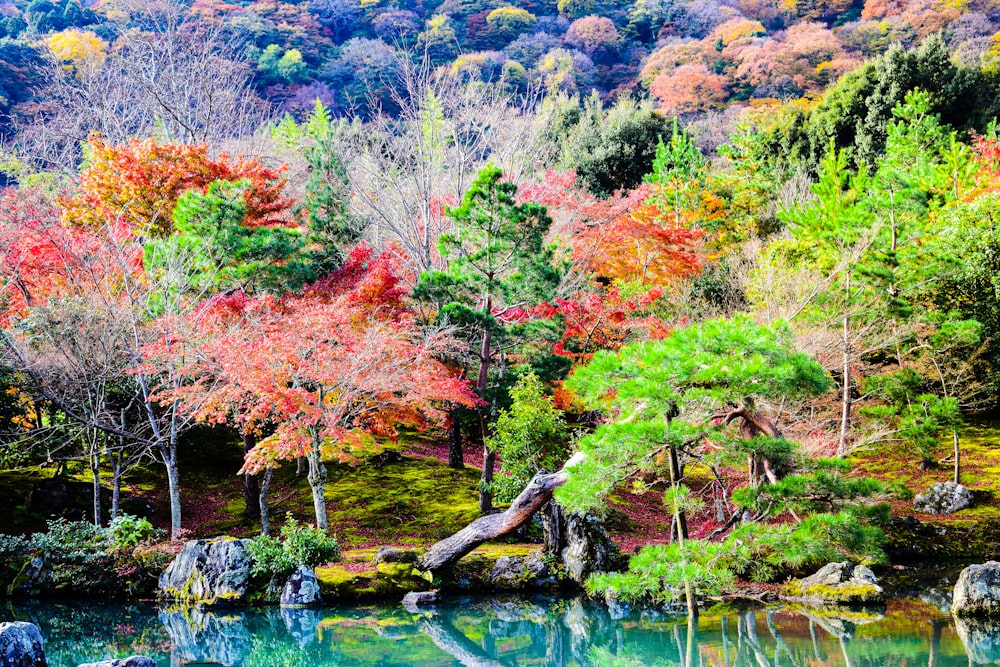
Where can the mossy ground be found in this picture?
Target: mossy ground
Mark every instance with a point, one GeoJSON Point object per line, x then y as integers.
{"type": "Point", "coordinates": [419, 500]}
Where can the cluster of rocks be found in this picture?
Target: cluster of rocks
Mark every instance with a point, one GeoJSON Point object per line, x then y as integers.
{"type": "Point", "coordinates": [21, 646]}
{"type": "Point", "coordinates": [219, 572]}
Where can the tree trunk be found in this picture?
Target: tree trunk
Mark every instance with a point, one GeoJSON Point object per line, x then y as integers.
{"type": "Point", "coordinates": [845, 405]}
{"type": "Point", "coordinates": [935, 644]}
{"type": "Point", "coordinates": [95, 470]}
{"type": "Point", "coordinates": [692, 654]}
{"type": "Point", "coordinates": [116, 484]}
{"type": "Point", "coordinates": [675, 479]}
{"type": "Point", "coordinates": [173, 485]}
{"type": "Point", "coordinates": [539, 491]}
{"type": "Point", "coordinates": [958, 456]}
{"type": "Point", "coordinates": [454, 643]}
{"type": "Point", "coordinates": [317, 482]}
{"type": "Point", "coordinates": [553, 529]}
{"type": "Point", "coordinates": [456, 458]}
{"type": "Point", "coordinates": [301, 466]}
{"type": "Point", "coordinates": [486, 482]}
{"type": "Point", "coordinates": [489, 458]}
{"type": "Point", "coordinates": [251, 489]}
{"type": "Point", "coordinates": [265, 514]}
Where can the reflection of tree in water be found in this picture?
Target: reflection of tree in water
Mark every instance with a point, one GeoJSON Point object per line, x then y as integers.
{"type": "Point", "coordinates": [506, 632]}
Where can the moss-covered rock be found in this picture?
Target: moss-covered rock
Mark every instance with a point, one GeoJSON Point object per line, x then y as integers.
{"type": "Point", "coordinates": [26, 579]}
{"type": "Point", "coordinates": [838, 583]}
{"type": "Point", "coordinates": [209, 572]}
{"type": "Point", "coordinates": [977, 591]}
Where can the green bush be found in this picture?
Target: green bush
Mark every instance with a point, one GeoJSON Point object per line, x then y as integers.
{"type": "Point", "coordinates": [127, 532]}
{"type": "Point", "coordinates": [82, 558]}
{"type": "Point", "coordinates": [299, 545]}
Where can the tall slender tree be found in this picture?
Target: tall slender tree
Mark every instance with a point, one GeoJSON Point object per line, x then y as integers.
{"type": "Point", "coordinates": [497, 265]}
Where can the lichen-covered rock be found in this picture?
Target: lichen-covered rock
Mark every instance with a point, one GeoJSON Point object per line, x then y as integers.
{"type": "Point", "coordinates": [521, 572]}
{"type": "Point", "coordinates": [134, 661]}
{"type": "Point", "coordinates": [202, 636]}
{"type": "Point", "coordinates": [301, 589]}
{"type": "Point", "coordinates": [943, 498]}
{"type": "Point", "coordinates": [589, 548]}
{"type": "Point", "coordinates": [840, 583]}
{"type": "Point", "coordinates": [981, 639]}
{"type": "Point", "coordinates": [394, 555]}
{"type": "Point", "coordinates": [977, 591]}
{"type": "Point", "coordinates": [21, 645]}
{"type": "Point", "coordinates": [208, 572]}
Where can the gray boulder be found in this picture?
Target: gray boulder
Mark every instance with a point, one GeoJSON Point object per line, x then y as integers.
{"type": "Point", "coordinates": [981, 639]}
{"type": "Point", "coordinates": [521, 572]}
{"type": "Point", "coordinates": [840, 583]}
{"type": "Point", "coordinates": [413, 602]}
{"type": "Point", "coordinates": [394, 555]}
{"type": "Point", "coordinates": [201, 636]}
{"type": "Point", "coordinates": [134, 661]}
{"type": "Point", "coordinates": [977, 591]}
{"type": "Point", "coordinates": [208, 572]}
{"type": "Point", "coordinates": [589, 548]}
{"type": "Point", "coordinates": [301, 623]}
{"type": "Point", "coordinates": [21, 645]}
{"type": "Point", "coordinates": [301, 589]}
{"type": "Point", "coordinates": [943, 498]}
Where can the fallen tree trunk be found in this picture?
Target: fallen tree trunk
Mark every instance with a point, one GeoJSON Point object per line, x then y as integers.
{"type": "Point", "coordinates": [539, 491]}
{"type": "Point", "coordinates": [451, 641]}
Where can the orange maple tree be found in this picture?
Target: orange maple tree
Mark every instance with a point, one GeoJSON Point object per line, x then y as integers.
{"type": "Point", "coordinates": [321, 368]}
{"type": "Point", "coordinates": [140, 182]}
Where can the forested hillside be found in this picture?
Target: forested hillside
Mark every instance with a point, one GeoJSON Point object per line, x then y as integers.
{"type": "Point", "coordinates": [739, 258]}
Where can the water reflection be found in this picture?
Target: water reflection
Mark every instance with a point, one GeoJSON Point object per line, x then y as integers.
{"type": "Point", "coordinates": [480, 632]}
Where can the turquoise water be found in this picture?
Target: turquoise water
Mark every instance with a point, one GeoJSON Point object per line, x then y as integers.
{"type": "Point", "coordinates": [511, 631]}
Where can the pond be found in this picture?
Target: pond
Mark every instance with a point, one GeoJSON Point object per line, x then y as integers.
{"type": "Point", "coordinates": [511, 631]}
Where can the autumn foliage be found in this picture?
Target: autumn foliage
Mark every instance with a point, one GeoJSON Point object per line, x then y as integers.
{"type": "Point", "coordinates": [141, 181]}
{"type": "Point", "coordinates": [625, 237]}
{"type": "Point", "coordinates": [342, 359]}
{"type": "Point", "coordinates": [42, 259]}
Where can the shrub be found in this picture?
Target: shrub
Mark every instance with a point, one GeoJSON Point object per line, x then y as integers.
{"type": "Point", "coordinates": [299, 545]}
{"type": "Point", "coordinates": [128, 532]}
{"type": "Point", "coordinates": [82, 558]}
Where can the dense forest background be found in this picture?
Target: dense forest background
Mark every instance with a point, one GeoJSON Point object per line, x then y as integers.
{"type": "Point", "coordinates": [748, 248]}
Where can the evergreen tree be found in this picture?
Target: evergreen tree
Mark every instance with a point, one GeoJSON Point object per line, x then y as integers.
{"type": "Point", "coordinates": [497, 263]}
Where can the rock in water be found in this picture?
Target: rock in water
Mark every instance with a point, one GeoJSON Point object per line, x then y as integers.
{"type": "Point", "coordinates": [301, 623]}
{"type": "Point", "coordinates": [943, 498]}
{"type": "Point", "coordinates": [134, 661]}
{"type": "Point", "coordinates": [21, 645]}
{"type": "Point", "coordinates": [301, 589]}
{"type": "Point", "coordinates": [589, 549]}
{"type": "Point", "coordinates": [977, 591]}
{"type": "Point", "coordinates": [414, 601]}
{"type": "Point", "coordinates": [207, 637]}
{"type": "Point", "coordinates": [981, 639]}
{"type": "Point", "coordinates": [208, 572]}
{"type": "Point", "coordinates": [840, 583]}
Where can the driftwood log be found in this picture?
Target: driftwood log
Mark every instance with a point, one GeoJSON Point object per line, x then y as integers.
{"type": "Point", "coordinates": [539, 491]}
